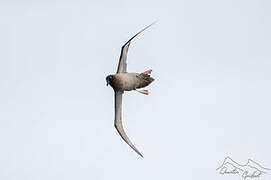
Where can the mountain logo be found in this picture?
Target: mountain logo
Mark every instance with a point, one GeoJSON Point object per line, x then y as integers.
{"type": "Point", "coordinates": [251, 169]}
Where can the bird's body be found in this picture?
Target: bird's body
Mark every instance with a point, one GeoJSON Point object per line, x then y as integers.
{"type": "Point", "coordinates": [130, 81]}
{"type": "Point", "coordinates": [124, 81]}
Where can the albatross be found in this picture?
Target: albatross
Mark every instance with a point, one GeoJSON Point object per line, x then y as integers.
{"type": "Point", "coordinates": [127, 81]}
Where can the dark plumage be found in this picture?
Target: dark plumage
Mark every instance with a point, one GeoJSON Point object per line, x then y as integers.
{"type": "Point", "coordinates": [129, 81]}
{"type": "Point", "coordinates": [124, 81]}
{"type": "Point", "coordinates": [145, 80]}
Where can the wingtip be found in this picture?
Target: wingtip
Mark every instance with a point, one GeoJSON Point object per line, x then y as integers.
{"type": "Point", "coordinates": [140, 154]}
{"type": "Point", "coordinates": [137, 151]}
{"type": "Point", "coordinates": [149, 25]}
{"type": "Point", "coordinates": [128, 42]}
{"type": "Point", "coordinates": [156, 21]}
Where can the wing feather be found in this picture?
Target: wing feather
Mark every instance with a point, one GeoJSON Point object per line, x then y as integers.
{"type": "Point", "coordinates": [122, 67]}
{"type": "Point", "coordinates": [118, 121]}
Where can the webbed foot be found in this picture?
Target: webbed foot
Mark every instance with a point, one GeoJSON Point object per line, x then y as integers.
{"type": "Point", "coordinates": [144, 91]}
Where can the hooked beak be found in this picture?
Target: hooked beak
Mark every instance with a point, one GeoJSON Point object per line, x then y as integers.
{"type": "Point", "coordinates": [107, 83]}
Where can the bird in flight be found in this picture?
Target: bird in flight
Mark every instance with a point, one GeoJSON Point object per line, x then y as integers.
{"type": "Point", "coordinates": [125, 81]}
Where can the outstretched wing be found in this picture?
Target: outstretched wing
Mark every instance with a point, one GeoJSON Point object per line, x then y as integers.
{"type": "Point", "coordinates": [118, 121]}
{"type": "Point", "coordinates": [122, 67]}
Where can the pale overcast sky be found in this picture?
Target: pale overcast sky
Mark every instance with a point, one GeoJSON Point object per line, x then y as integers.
{"type": "Point", "coordinates": [211, 97]}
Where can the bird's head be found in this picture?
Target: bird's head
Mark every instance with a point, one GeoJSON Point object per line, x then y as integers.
{"type": "Point", "coordinates": [109, 79]}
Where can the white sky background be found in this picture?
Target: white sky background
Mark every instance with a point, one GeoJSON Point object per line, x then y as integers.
{"type": "Point", "coordinates": [211, 97]}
